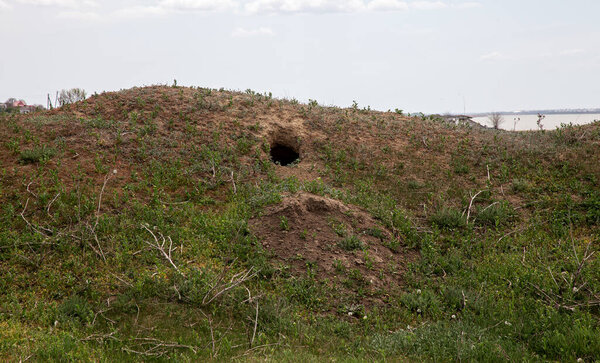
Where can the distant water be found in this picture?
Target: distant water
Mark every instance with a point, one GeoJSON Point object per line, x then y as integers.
{"type": "Point", "coordinates": [550, 122]}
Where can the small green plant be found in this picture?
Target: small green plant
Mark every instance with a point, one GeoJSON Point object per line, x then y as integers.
{"type": "Point", "coordinates": [356, 276]}
{"type": "Point", "coordinates": [13, 145]}
{"type": "Point", "coordinates": [368, 260]}
{"type": "Point", "coordinates": [339, 266]}
{"type": "Point", "coordinates": [303, 234]}
{"type": "Point", "coordinates": [339, 229]}
{"type": "Point", "coordinates": [496, 214]}
{"type": "Point", "coordinates": [394, 244]}
{"type": "Point", "coordinates": [376, 232]}
{"type": "Point", "coordinates": [77, 308]}
{"type": "Point", "coordinates": [461, 168]}
{"type": "Point", "coordinates": [422, 302]}
{"type": "Point", "coordinates": [448, 218]}
{"type": "Point", "coordinates": [520, 185]}
{"type": "Point", "coordinates": [351, 243]}
{"type": "Point", "coordinates": [36, 155]}
{"type": "Point", "coordinates": [414, 184]}
{"type": "Point", "coordinates": [283, 223]}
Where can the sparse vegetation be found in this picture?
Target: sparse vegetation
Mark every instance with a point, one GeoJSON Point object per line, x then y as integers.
{"type": "Point", "coordinates": [36, 155]}
{"type": "Point", "coordinates": [136, 228]}
{"type": "Point", "coordinates": [351, 243]}
{"type": "Point", "coordinates": [448, 218]}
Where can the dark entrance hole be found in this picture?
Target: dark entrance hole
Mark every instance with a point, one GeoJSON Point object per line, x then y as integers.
{"type": "Point", "coordinates": [283, 155]}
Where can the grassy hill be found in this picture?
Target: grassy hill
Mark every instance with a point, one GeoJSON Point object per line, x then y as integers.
{"type": "Point", "coordinates": [152, 224]}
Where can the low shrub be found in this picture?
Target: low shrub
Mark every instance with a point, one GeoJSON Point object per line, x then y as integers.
{"type": "Point", "coordinates": [351, 243]}
{"type": "Point", "coordinates": [36, 155]}
{"type": "Point", "coordinates": [496, 214]}
{"type": "Point", "coordinates": [448, 218]}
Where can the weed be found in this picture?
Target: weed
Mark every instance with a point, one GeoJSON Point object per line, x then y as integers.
{"type": "Point", "coordinates": [36, 155]}
{"type": "Point", "coordinates": [520, 185]}
{"type": "Point", "coordinates": [375, 232]}
{"type": "Point", "coordinates": [78, 308]}
{"type": "Point", "coordinates": [283, 223]}
{"type": "Point", "coordinates": [339, 229]}
{"type": "Point", "coordinates": [495, 214]}
{"type": "Point", "coordinates": [339, 266]}
{"type": "Point", "coordinates": [303, 234]}
{"type": "Point", "coordinates": [448, 218]}
{"type": "Point", "coordinates": [351, 243]}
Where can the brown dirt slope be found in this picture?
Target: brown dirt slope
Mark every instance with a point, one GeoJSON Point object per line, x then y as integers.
{"type": "Point", "coordinates": [311, 232]}
{"type": "Point", "coordinates": [219, 140]}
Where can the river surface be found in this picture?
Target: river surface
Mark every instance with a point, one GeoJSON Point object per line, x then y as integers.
{"type": "Point", "coordinates": [521, 122]}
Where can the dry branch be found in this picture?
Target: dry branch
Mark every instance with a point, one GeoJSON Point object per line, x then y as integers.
{"type": "Point", "coordinates": [160, 245]}
{"type": "Point", "coordinates": [152, 347]}
{"type": "Point", "coordinates": [50, 205]}
{"type": "Point", "coordinates": [35, 228]}
{"type": "Point", "coordinates": [219, 287]}
{"type": "Point", "coordinates": [471, 204]}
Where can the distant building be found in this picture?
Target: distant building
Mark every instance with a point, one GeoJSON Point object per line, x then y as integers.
{"type": "Point", "coordinates": [28, 108]}
{"type": "Point", "coordinates": [21, 106]}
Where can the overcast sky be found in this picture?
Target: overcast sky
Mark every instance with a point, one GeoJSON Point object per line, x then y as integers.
{"type": "Point", "coordinates": [427, 56]}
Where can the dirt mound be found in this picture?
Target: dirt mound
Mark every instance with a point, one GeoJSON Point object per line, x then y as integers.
{"type": "Point", "coordinates": [343, 245]}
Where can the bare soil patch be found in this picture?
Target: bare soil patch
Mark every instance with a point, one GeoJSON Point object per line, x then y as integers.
{"type": "Point", "coordinates": [343, 244]}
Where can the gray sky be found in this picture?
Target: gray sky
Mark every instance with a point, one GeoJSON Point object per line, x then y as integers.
{"type": "Point", "coordinates": [425, 56]}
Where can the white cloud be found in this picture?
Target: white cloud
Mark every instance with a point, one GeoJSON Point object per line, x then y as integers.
{"type": "Point", "coordinates": [79, 15]}
{"type": "Point", "coordinates": [493, 56]}
{"type": "Point", "coordinates": [200, 5]}
{"type": "Point", "coordinates": [468, 5]}
{"type": "Point", "coordinates": [428, 5]}
{"type": "Point", "coordinates": [304, 6]}
{"type": "Point", "coordinates": [246, 33]}
{"type": "Point", "coordinates": [387, 5]}
{"type": "Point", "coordinates": [59, 3]}
{"type": "Point", "coordinates": [570, 52]}
{"type": "Point", "coordinates": [346, 6]}
{"type": "Point", "coordinates": [165, 7]}
{"type": "Point", "coordinates": [414, 30]}
{"type": "Point", "coordinates": [4, 5]}
{"type": "Point", "coordinates": [141, 12]}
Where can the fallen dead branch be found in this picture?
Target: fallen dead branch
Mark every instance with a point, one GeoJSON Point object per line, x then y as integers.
{"type": "Point", "coordinates": [471, 203]}
{"type": "Point", "coordinates": [98, 250]}
{"type": "Point", "coordinates": [151, 347]}
{"type": "Point", "coordinates": [106, 179]}
{"type": "Point", "coordinates": [100, 337]}
{"type": "Point", "coordinates": [160, 246]}
{"type": "Point", "coordinates": [37, 229]}
{"type": "Point", "coordinates": [219, 287]}
{"type": "Point", "coordinates": [50, 205]}
{"type": "Point", "coordinates": [570, 281]}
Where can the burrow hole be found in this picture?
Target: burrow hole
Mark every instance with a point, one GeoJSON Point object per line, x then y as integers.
{"type": "Point", "coordinates": [283, 155]}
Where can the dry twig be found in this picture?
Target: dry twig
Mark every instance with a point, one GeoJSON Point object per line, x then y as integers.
{"type": "Point", "coordinates": [471, 204]}
{"type": "Point", "coordinates": [219, 287]}
{"type": "Point", "coordinates": [160, 246]}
